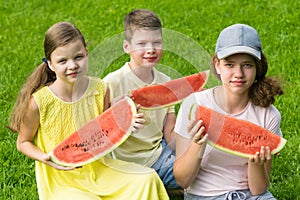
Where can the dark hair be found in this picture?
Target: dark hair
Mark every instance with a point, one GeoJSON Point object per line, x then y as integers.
{"type": "Point", "coordinates": [140, 19]}
{"type": "Point", "coordinates": [263, 91]}
{"type": "Point", "coordinates": [58, 35]}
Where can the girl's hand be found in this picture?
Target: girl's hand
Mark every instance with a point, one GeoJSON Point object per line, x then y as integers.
{"type": "Point", "coordinates": [139, 121]}
{"type": "Point", "coordinates": [47, 160]}
{"type": "Point", "coordinates": [260, 158]}
{"type": "Point", "coordinates": [196, 132]}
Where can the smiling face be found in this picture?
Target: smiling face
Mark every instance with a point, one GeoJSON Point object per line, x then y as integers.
{"type": "Point", "coordinates": [145, 48]}
{"type": "Point", "coordinates": [69, 62]}
{"type": "Point", "coordinates": [237, 72]}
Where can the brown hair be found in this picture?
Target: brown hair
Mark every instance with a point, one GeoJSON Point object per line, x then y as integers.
{"type": "Point", "coordinates": [263, 91]}
{"type": "Point", "coordinates": [58, 35]}
{"type": "Point", "coordinates": [140, 19]}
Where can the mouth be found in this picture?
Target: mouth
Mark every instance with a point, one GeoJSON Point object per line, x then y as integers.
{"type": "Point", "coordinates": [73, 74]}
{"type": "Point", "coordinates": [150, 58]}
{"type": "Point", "coordinates": [238, 82]}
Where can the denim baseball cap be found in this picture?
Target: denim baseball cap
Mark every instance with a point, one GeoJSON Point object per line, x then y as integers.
{"type": "Point", "coordinates": [238, 38]}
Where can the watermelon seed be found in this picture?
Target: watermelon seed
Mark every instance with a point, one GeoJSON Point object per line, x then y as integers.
{"type": "Point", "coordinates": [85, 149]}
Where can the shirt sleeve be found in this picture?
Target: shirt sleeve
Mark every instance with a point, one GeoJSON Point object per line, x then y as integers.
{"type": "Point", "coordinates": [273, 123]}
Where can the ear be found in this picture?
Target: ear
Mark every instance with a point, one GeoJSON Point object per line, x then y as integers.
{"type": "Point", "coordinates": [217, 65]}
{"type": "Point", "coordinates": [126, 46]}
{"type": "Point", "coordinates": [49, 65]}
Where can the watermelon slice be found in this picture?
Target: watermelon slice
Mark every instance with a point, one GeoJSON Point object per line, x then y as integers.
{"type": "Point", "coordinates": [169, 93]}
{"type": "Point", "coordinates": [235, 136]}
{"type": "Point", "coordinates": [98, 137]}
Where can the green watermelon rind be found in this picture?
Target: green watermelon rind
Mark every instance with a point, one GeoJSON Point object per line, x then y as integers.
{"type": "Point", "coordinates": [192, 111]}
{"type": "Point", "coordinates": [174, 102]}
{"type": "Point", "coordinates": [276, 150]}
{"type": "Point", "coordinates": [123, 139]}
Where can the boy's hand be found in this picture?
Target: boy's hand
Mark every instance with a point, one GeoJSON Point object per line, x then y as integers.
{"type": "Point", "coordinates": [261, 157]}
{"type": "Point", "coordinates": [138, 122]}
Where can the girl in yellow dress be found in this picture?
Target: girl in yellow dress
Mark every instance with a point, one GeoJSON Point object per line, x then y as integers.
{"type": "Point", "coordinates": [57, 99]}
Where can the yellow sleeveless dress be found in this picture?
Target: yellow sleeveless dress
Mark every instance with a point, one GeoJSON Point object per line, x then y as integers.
{"type": "Point", "coordinates": [105, 178]}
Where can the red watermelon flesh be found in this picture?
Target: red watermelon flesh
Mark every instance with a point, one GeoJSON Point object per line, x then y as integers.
{"type": "Point", "coordinates": [169, 93]}
{"type": "Point", "coordinates": [98, 137]}
{"type": "Point", "coordinates": [236, 136]}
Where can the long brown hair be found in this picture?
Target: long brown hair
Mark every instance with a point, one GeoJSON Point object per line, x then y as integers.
{"type": "Point", "coordinates": [58, 35]}
{"type": "Point", "coordinates": [263, 91]}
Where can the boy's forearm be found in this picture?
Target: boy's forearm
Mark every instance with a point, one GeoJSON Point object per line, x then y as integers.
{"type": "Point", "coordinates": [168, 130]}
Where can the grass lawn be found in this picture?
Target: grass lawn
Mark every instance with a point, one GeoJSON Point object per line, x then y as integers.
{"type": "Point", "coordinates": [190, 32]}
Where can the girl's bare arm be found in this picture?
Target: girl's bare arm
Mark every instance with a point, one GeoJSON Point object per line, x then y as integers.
{"type": "Point", "coordinates": [259, 167]}
{"type": "Point", "coordinates": [27, 133]}
{"type": "Point", "coordinates": [189, 154]}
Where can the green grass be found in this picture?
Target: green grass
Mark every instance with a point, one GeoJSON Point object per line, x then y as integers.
{"type": "Point", "coordinates": [195, 25]}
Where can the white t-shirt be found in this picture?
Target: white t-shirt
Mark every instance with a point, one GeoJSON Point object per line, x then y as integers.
{"type": "Point", "coordinates": [221, 172]}
{"type": "Point", "coordinates": [143, 147]}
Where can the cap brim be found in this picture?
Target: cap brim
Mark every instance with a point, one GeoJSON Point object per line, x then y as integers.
{"type": "Point", "coordinates": [238, 49]}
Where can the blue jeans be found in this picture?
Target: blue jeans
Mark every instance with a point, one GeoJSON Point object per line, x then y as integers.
{"type": "Point", "coordinates": [164, 167]}
{"type": "Point", "coordinates": [233, 195]}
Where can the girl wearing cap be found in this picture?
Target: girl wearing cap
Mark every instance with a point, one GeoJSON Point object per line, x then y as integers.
{"type": "Point", "coordinates": [246, 93]}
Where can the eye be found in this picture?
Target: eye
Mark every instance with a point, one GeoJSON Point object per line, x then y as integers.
{"type": "Point", "coordinates": [141, 43]}
{"type": "Point", "coordinates": [157, 45]}
{"type": "Point", "coordinates": [228, 64]}
{"type": "Point", "coordinates": [248, 65]}
{"type": "Point", "coordinates": [62, 61]}
{"type": "Point", "coordinates": [79, 57]}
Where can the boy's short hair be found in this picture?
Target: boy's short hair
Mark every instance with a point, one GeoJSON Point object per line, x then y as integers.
{"type": "Point", "coordinates": [140, 19]}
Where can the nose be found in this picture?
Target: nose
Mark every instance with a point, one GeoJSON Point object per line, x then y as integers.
{"type": "Point", "coordinates": [239, 71]}
{"type": "Point", "coordinates": [73, 65]}
{"type": "Point", "coordinates": [150, 49]}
